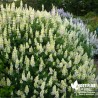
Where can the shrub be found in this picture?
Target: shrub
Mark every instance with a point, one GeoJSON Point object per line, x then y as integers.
{"type": "Point", "coordinates": [41, 54]}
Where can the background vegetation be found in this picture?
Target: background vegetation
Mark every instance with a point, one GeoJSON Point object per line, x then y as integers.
{"type": "Point", "coordinates": [86, 9]}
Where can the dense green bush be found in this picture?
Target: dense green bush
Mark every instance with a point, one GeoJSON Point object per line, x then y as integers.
{"type": "Point", "coordinates": [41, 54]}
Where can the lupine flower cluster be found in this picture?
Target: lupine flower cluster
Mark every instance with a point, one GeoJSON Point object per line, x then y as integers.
{"type": "Point", "coordinates": [68, 16]}
{"type": "Point", "coordinates": [64, 14]}
{"type": "Point", "coordinates": [91, 36]}
{"type": "Point", "coordinates": [41, 53]}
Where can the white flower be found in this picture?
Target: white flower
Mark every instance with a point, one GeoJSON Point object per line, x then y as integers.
{"type": "Point", "coordinates": [31, 49]}
{"type": "Point", "coordinates": [22, 26]}
{"type": "Point", "coordinates": [60, 65]}
{"type": "Point", "coordinates": [21, 81]}
{"type": "Point", "coordinates": [42, 86]}
{"type": "Point", "coordinates": [63, 86]}
{"type": "Point", "coordinates": [21, 60]}
{"type": "Point", "coordinates": [50, 70]}
{"type": "Point", "coordinates": [11, 69]}
{"type": "Point", "coordinates": [18, 33]}
{"type": "Point", "coordinates": [64, 70]}
{"type": "Point", "coordinates": [34, 96]}
{"type": "Point", "coordinates": [77, 59]}
{"type": "Point", "coordinates": [18, 92]}
{"type": "Point", "coordinates": [42, 94]}
{"type": "Point", "coordinates": [26, 35]}
{"type": "Point", "coordinates": [23, 96]}
{"type": "Point", "coordinates": [37, 46]}
{"type": "Point", "coordinates": [17, 63]}
{"type": "Point", "coordinates": [28, 75]}
{"type": "Point", "coordinates": [41, 66]}
{"type": "Point", "coordinates": [35, 91]}
{"type": "Point", "coordinates": [8, 49]}
{"type": "Point", "coordinates": [48, 47]}
{"type": "Point", "coordinates": [14, 54]}
{"type": "Point", "coordinates": [54, 75]}
{"type": "Point", "coordinates": [23, 76]}
{"type": "Point", "coordinates": [57, 61]}
{"type": "Point", "coordinates": [14, 25]}
{"type": "Point", "coordinates": [8, 82]}
{"type": "Point", "coordinates": [41, 38]}
{"type": "Point", "coordinates": [69, 63]}
{"type": "Point", "coordinates": [51, 34]}
{"type": "Point", "coordinates": [27, 62]}
{"type": "Point", "coordinates": [53, 11]}
{"type": "Point", "coordinates": [60, 52]}
{"type": "Point", "coordinates": [37, 34]}
{"type": "Point", "coordinates": [54, 90]}
{"type": "Point", "coordinates": [27, 45]}
{"type": "Point", "coordinates": [51, 58]}
{"type": "Point", "coordinates": [62, 29]}
{"type": "Point", "coordinates": [57, 94]}
{"type": "Point", "coordinates": [42, 31]}
{"type": "Point", "coordinates": [36, 81]}
{"type": "Point", "coordinates": [40, 48]}
{"type": "Point", "coordinates": [1, 42]}
{"type": "Point", "coordinates": [66, 22]}
{"type": "Point", "coordinates": [64, 95]}
{"type": "Point", "coordinates": [12, 93]}
{"type": "Point", "coordinates": [63, 61]}
{"type": "Point", "coordinates": [7, 56]}
{"type": "Point", "coordinates": [5, 32]}
{"type": "Point", "coordinates": [21, 48]}
{"type": "Point", "coordinates": [80, 50]}
{"type": "Point", "coordinates": [5, 42]}
{"type": "Point", "coordinates": [2, 82]}
{"type": "Point", "coordinates": [85, 57]}
{"type": "Point", "coordinates": [30, 42]}
{"type": "Point", "coordinates": [26, 89]}
{"type": "Point", "coordinates": [71, 54]}
{"type": "Point", "coordinates": [32, 62]}
{"type": "Point", "coordinates": [50, 81]}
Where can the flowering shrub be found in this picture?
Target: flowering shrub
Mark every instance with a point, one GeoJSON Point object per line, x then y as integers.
{"type": "Point", "coordinates": [91, 37]}
{"type": "Point", "coordinates": [41, 54]}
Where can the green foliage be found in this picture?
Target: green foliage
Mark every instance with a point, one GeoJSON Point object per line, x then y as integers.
{"type": "Point", "coordinates": [41, 54]}
{"type": "Point", "coordinates": [6, 91]}
{"type": "Point", "coordinates": [90, 15]}
{"type": "Point", "coordinates": [91, 19]}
